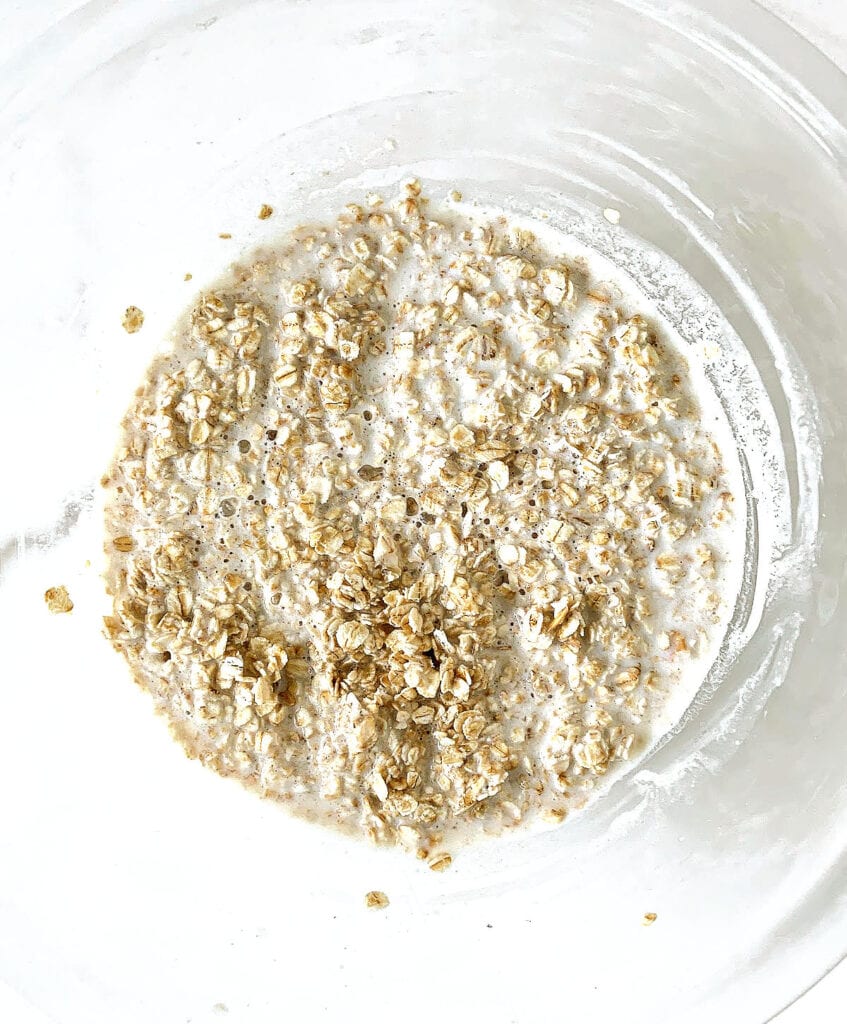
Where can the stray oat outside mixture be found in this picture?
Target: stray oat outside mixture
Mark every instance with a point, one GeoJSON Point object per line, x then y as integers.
{"type": "Point", "coordinates": [133, 320]}
{"type": "Point", "coordinates": [58, 600]}
{"type": "Point", "coordinates": [417, 529]}
{"type": "Point", "coordinates": [376, 900]}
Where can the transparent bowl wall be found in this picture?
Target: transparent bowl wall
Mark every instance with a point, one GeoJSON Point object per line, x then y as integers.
{"type": "Point", "coordinates": [137, 886]}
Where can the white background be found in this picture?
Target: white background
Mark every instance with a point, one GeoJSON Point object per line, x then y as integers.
{"type": "Point", "coordinates": [823, 22]}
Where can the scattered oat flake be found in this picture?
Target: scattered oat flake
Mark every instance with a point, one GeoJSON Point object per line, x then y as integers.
{"type": "Point", "coordinates": [58, 600]}
{"type": "Point", "coordinates": [456, 196]}
{"type": "Point", "coordinates": [188, 277]}
{"type": "Point", "coordinates": [441, 862]}
{"type": "Point", "coordinates": [612, 216]}
{"type": "Point", "coordinates": [224, 234]}
{"type": "Point", "coordinates": [265, 211]}
{"type": "Point", "coordinates": [376, 900]}
{"type": "Point", "coordinates": [133, 319]}
{"type": "Point", "coordinates": [649, 918]}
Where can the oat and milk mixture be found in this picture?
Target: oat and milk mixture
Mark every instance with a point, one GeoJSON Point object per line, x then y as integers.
{"type": "Point", "coordinates": [417, 528]}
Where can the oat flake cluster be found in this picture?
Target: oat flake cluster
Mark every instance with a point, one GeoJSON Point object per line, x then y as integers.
{"type": "Point", "coordinates": [413, 527]}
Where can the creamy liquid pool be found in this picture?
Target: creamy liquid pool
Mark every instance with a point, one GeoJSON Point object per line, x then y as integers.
{"type": "Point", "coordinates": [383, 551]}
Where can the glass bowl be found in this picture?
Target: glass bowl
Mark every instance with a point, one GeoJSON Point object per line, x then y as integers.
{"type": "Point", "coordinates": [138, 886]}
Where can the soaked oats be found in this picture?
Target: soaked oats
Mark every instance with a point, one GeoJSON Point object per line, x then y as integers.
{"type": "Point", "coordinates": [415, 528]}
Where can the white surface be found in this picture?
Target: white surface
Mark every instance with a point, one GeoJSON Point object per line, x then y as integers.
{"type": "Point", "coordinates": [824, 22]}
